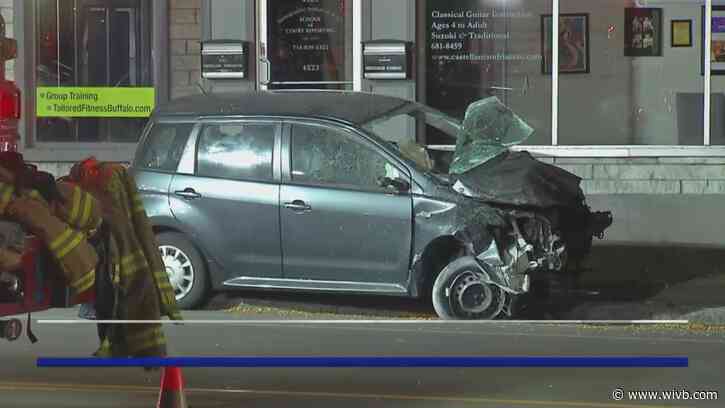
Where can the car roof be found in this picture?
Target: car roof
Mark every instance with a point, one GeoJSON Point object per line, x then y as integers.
{"type": "Point", "coordinates": [353, 107]}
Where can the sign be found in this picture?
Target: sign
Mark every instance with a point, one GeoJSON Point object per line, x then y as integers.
{"type": "Point", "coordinates": [306, 42]}
{"type": "Point", "coordinates": [86, 102]}
{"type": "Point", "coordinates": [474, 48]}
{"type": "Point", "coordinates": [224, 60]}
{"type": "Point", "coordinates": [386, 60]}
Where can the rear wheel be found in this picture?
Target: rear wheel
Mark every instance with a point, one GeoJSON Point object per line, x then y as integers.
{"type": "Point", "coordinates": [461, 293]}
{"type": "Point", "coordinates": [186, 269]}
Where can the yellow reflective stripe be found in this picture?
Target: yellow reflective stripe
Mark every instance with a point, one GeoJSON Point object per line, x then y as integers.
{"type": "Point", "coordinates": [147, 345]}
{"type": "Point", "coordinates": [138, 205]}
{"type": "Point", "coordinates": [75, 209]}
{"type": "Point", "coordinates": [85, 282]}
{"type": "Point", "coordinates": [133, 263]}
{"type": "Point", "coordinates": [86, 209]}
{"type": "Point", "coordinates": [6, 193]}
{"type": "Point", "coordinates": [62, 238]}
{"type": "Point", "coordinates": [128, 259]}
{"type": "Point", "coordinates": [34, 194]}
{"type": "Point", "coordinates": [78, 237]}
{"type": "Point", "coordinates": [164, 285]}
{"type": "Point", "coordinates": [145, 334]}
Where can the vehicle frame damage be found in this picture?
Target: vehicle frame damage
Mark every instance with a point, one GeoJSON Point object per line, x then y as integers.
{"type": "Point", "coordinates": [513, 224]}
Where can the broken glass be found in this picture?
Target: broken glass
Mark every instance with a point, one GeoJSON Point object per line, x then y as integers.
{"type": "Point", "coordinates": [322, 155]}
{"type": "Point", "coordinates": [489, 129]}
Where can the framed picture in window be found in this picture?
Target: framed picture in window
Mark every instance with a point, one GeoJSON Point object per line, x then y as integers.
{"type": "Point", "coordinates": [717, 44]}
{"type": "Point", "coordinates": [643, 32]}
{"type": "Point", "coordinates": [681, 33]}
{"type": "Point", "coordinates": [573, 44]}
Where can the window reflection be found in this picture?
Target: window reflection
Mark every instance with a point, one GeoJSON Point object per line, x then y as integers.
{"type": "Point", "coordinates": [640, 90]}
{"type": "Point", "coordinates": [237, 151]}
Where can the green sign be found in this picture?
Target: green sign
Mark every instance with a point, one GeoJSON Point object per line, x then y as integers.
{"type": "Point", "coordinates": [77, 102]}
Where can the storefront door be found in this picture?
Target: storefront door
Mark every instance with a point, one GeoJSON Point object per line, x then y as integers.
{"type": "Point", "coordinates": [305, 44]}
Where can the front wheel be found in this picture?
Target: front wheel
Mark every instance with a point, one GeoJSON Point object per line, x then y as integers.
{"type": "Point", "coordinates": [186, 269]}
{"type": "Point", "coordinates": [460, 293]}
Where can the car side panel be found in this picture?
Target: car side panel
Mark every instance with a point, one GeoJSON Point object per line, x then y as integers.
{"type": "Point", "coordinates": [237, 221]}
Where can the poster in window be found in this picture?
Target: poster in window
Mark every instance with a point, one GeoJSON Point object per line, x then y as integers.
{"type": "Point", "coordinates": [681, 33]}
{"type": "Point", "coordinates": [573, 44]}
{"type": "Point", "coordinates": [717, 44]}
{"type": "Point", "coordinates": [306, 42]}
{"type": "Point", "coordinates": [643, 32]}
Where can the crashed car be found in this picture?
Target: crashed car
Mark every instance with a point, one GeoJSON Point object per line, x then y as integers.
{"type": "Point", "coordinates": [325, 191]}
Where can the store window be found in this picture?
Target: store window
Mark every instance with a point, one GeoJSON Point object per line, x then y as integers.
{"type": "Point", "coordinates": [93, 70]}
{"type": "Point", "coordinates": [481, 48]}
{"type": "Point", "coordinates": [717, 61]}
{"type": "Point", "coordinates": [309, 44]}
{"type": "Point", "coordinates": [643, 84]}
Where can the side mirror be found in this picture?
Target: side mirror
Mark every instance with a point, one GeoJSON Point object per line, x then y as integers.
{"type": "Point", "coordinates": [398, 184]}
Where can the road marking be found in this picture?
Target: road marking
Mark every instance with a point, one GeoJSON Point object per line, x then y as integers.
{"type": "Point", "coordinates": [386, 322]}
{"type": "Point", "coordinates": [16, 386]}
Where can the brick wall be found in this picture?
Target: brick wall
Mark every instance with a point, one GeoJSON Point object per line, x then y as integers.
{"type": "Point", "coordinates": [664, 175]}
{"type": "Point", "coordinates": [184, 37]}
{"type": "Point", "coordinates": [6, 9]}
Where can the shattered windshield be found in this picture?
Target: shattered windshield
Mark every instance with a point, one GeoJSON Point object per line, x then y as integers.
{"type": "Point", "coordinates": [488, 129]}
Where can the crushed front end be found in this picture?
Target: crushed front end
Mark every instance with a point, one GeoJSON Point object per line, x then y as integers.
{"type": "Point", "coordinates": [524, 224]}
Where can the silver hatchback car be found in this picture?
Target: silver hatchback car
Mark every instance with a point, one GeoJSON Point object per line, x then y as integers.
{"type": "Point", "coordinates": [309, 191]}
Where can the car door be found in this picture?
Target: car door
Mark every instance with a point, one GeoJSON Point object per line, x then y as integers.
{"type": "Point", "coordinates": [231, 201]}
{"type": "Point", "coordinates": [338, 224]}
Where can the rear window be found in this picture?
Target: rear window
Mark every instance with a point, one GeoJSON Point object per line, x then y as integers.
{"type": "Point", "coordinates": [164, 147]}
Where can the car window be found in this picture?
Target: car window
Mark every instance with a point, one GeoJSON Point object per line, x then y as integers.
{"type": "Point", "coordinates": [164, 146]}
{"type": "Point", "coordinates": [238, 151]}
{"type": "Point", "coordinates": [326, 156]}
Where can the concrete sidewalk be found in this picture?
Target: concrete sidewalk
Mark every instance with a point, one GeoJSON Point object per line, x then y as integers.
{"type": "Point", "coordinates": [701, 300]}
{"type": "Point", "coordinates": [657, 283]}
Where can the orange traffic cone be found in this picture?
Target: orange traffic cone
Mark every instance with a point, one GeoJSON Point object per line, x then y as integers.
{"type": "Point", "coordinates": [172, 389]}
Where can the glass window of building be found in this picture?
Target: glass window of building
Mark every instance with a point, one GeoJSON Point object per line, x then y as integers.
{"type": "Point", "coordinates": [717, 66]}
{"type": "Point", "coordinates": [643, 84]}
{"type": "Point", "coordinates": [309, 44]}
{"type": "Point", "coordinates": [88, 44]}
{"type": "Point", "coordinates": [481, 48]}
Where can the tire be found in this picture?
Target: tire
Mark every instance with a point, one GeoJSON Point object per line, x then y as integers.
{"type": "Point", "coordinates": [187, 270]}
{"type": "Point", "coordinates": [460, 280]}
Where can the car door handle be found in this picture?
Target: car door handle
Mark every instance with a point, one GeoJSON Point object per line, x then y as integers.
{"type": "Point", "coordinates": [189, 194]}
{"type": "Point", "coordinates": [298, 206]}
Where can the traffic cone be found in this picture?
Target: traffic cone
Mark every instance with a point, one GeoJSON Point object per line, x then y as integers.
{"type": "Point", "coordinates": [172, 389]}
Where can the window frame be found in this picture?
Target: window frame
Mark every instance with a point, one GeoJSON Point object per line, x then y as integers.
{"type": "Point", "coordinates": [351, 134]}
{"type": "Point", "coordinates": [216, 121]}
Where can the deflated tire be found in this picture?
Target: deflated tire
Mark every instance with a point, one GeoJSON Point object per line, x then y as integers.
{"type": "Point", "coordinates": [461, 293]}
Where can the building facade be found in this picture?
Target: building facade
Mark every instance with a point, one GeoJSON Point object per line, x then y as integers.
{"type": "Point", "coordinates": [635, 108]}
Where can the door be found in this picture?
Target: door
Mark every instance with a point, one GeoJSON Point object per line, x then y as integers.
{"type": "Point", "coordinates": [110, 57]}
{"type": "Point", "coordinates": [338, 224]}
{"type": "Point", "coordinates": [304, 44]}
{"type": "Point", "coordinates": [231, 203]}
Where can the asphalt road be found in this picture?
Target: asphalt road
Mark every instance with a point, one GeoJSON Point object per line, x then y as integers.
{"type": "Point", "coordinates": [22, 385]}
